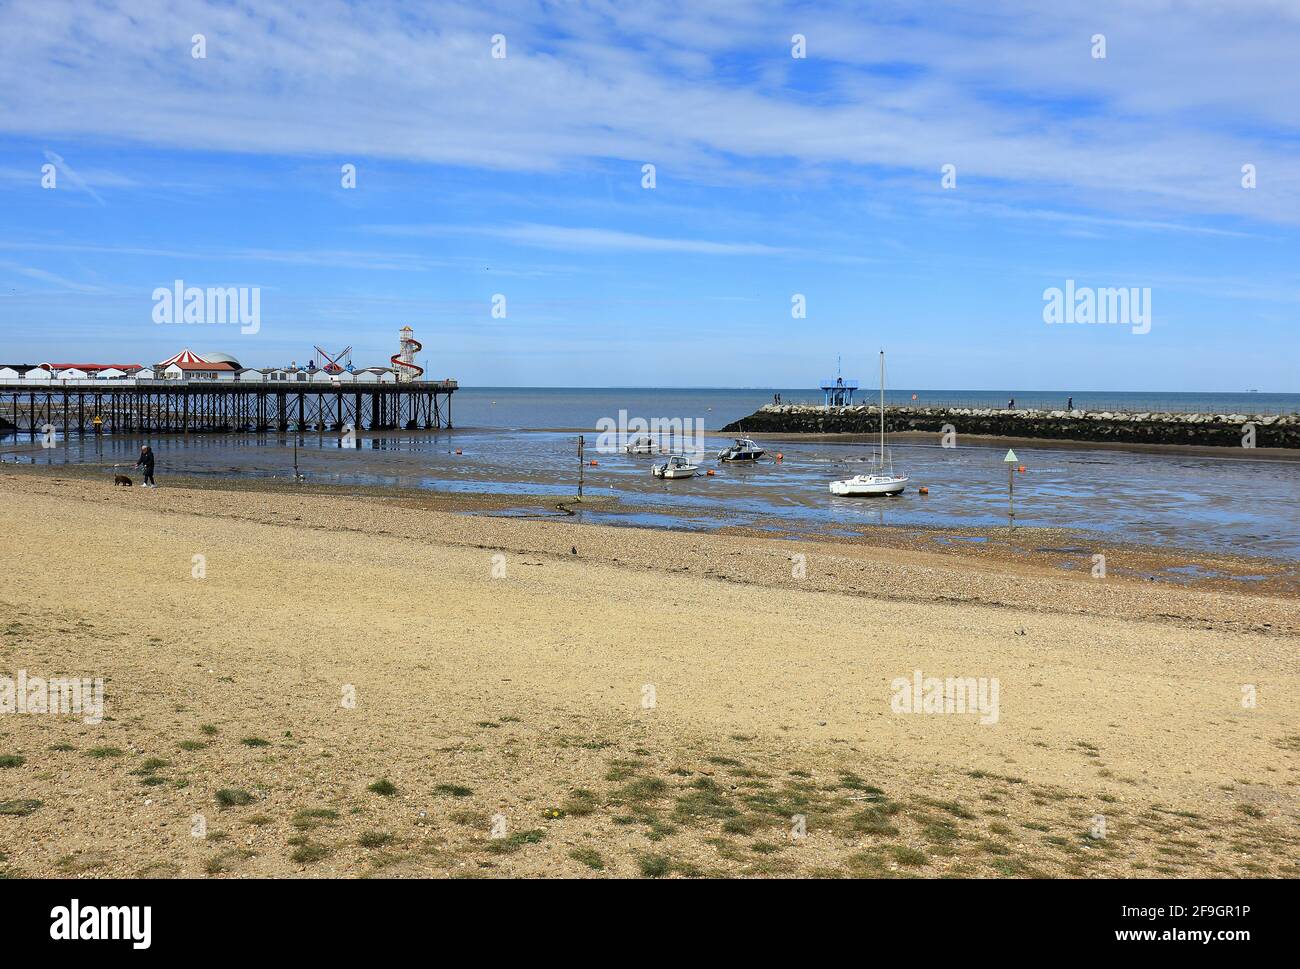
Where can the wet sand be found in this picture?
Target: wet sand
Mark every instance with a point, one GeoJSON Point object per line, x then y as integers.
{"type": "Point", "coordinates": [500, 670]}
{"type": "Point", "coordinates": [1064, 444]}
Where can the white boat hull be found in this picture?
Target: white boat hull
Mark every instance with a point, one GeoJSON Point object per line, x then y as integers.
{"type": "Point", "coordinates": [671, 470]}
{"type": "Point", "coordinates": [867, 485]}
{"type": "Point", "coordinates": [677, 473]}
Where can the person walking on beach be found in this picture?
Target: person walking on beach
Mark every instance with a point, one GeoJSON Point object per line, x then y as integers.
{"type": "Point", "coordinates": [145, 463]}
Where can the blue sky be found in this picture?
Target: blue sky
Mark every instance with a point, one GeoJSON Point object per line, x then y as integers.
{"type": "Point", "coordinates": [775, 176]}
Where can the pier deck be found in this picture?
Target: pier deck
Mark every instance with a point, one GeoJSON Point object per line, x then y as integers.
{"type": "Point", "coordinates": [193, 406]}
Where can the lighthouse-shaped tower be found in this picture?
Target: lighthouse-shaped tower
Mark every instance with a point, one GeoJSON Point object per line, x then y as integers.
{"type": "Point", "coordinates": [404, 359]}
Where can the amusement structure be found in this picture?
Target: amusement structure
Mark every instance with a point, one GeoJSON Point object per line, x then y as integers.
{"type": "Point", "coordinates": [189, 392]}
{"type": "Point", "coordinates": [335, 362]}
{"type": "Point", "coordinates": [404, 359]}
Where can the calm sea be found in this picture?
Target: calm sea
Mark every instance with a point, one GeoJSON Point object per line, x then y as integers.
{"type": "Point", "coordinates": [523, 442]}
{"type": "Point", "coordinates": [552, 408]}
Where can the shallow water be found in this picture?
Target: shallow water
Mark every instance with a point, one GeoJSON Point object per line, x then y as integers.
{"type": "Point", "coordinates": [1246, 506]}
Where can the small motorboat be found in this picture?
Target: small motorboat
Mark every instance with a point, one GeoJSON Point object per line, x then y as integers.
{"type": "Point", "coordinates": [676, 467]}
{"type": "Point", "coordinates": [641, 444]}
{"type": "Point", "coordinates": [742, 450]}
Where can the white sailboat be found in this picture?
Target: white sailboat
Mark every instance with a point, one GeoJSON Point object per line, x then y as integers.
{"type": "Point", "coordinates": [883, 480]}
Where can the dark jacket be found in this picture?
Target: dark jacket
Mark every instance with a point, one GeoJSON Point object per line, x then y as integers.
{"type": "Point", "coordinates": [146, 462]}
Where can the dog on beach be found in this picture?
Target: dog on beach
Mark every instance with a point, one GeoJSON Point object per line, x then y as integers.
{"type": "Point", "coordinates": [121, 479]}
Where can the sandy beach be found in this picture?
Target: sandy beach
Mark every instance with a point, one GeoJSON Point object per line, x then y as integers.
{"type": "Point", "coordinates": [352, 684]}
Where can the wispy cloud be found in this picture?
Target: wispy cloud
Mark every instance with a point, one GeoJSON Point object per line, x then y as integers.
{"type": "Point", "coordinates": [54, 279]}
{"type": "Point", "coordinates": [66, 170]}
{"type": "Point", "coordinates": [585, 239]}
{"type": "Point", "coordinates": [1010, 97]}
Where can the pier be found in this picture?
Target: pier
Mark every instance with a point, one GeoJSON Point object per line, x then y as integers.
{"type": "Point", "coordinates": [1120, 427]}
{"type": "Point", "coordinates": [198, 406]}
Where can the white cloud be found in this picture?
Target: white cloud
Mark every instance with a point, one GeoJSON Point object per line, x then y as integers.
{"type": "Point", "coordinates": [1010, 95]}
{"type": "Point", "coordinates": [586, 239]}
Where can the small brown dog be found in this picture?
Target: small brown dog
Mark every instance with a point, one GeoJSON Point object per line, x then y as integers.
{"type": "Point", "coordinates": [121, 479]}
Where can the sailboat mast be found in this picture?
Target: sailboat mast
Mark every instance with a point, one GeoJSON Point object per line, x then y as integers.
{"type": "Point", "coordinates": [882, 408]}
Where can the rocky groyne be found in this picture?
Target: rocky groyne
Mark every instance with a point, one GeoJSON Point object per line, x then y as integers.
{"type": "Point", "coordinates": [1207, 430]}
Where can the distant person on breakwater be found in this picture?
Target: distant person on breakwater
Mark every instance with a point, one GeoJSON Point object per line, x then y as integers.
{"type": "Point", "coordinates": [1069, 403]}
{"type": "Point", "coordinates": [145, 463]}
{"type": "Point", "coordinates": [1011, 404]}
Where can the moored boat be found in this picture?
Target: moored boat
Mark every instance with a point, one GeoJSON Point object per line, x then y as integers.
{"type": "Point", "coordinates": [676, 467]}
{"type": "Point", "coordinates": [743, 449]}
{"type": "Point", "coordinates": [882, 480]}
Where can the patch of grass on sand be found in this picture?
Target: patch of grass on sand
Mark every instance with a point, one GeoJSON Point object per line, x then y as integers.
{"type": "Point", "coordinates": [225, 861]}
{"type": "Point", "coordinates": [579, 803]}
{"type": "Point", "coordinates": [470, 819]}
{"type": "Point", "coordinates": [589, 857]}
{"type": "Point", "coordinates": [383, 787]}
{"type": "Point", "coordinates": [191, 745]}
{"type": "Point", "coordinates": [643, 789]}
{"type": "Point", "coordinates": [12, 760]}
{"type": "Point", "coordinates": [940, 832]}
{"type": "Point", "coordinates": [1010, 866]}
{"type": "Point", "coordinates": [908, 856]}
{"type": "Point", "coordinates": [866, 864]}
{"type": "Point", "coordinates": [79, 862]}
{"type": "Point", "coordinates": [99, 753]}
{"type": "Point", "coordinates": [659, 830]}
{"type": "Point", "coordinates": [374, 839]}
{"type": "Point", "coordinates": [20, 808]}
{"type": "Point", "coordinates": [704, 801]}
{"type": "Point", "coordinates": [512, 843]}
{"type": "Point", "coordinates": [453, 790]}
{"type": "Point", "coordinates": [150, 766]}
{"type": "Point", "coordinates": [305, 852]}
{"type": "Point", "coordinates": [654, 866]}
{"type": "Point", "coordinates": [740, 825]}
{"type": "Point", "coordinates": [62, 748]}
{"type": "Point", "coordinates": [952, 807]}
{"type": "Point", "coordinates": [233, 797]}
{"type": "Point", "coordinates": [255, 742]}
{"type": "Point", "coordinates": [872, 820]}
{"type": "Point", "coordinates": [209, 729]}
{"type": "Point", "coordinates": [310, 818]}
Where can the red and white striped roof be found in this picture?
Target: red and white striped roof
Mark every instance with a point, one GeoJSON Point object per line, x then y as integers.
{"type": "Point", "coordinates": [203, 365]}
{"type": "Point", "coordinates": [186, 356]}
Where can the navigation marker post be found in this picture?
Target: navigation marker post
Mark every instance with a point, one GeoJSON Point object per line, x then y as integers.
{"type": "Point", "coordinates": [1011, 460]}
{"type": "Point", "coordinates": [582, 443]}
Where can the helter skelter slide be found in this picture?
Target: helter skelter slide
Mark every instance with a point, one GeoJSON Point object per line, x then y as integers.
{"type": "Point", "coordinates": [405, 358]}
